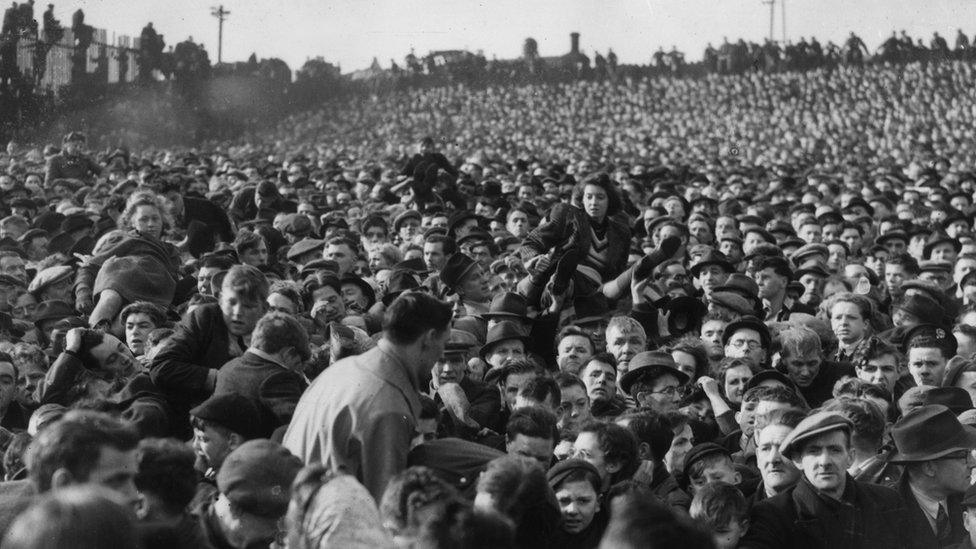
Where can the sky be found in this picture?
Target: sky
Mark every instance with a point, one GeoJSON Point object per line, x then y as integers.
{"type": "Point", "coordinates": [350, 33]}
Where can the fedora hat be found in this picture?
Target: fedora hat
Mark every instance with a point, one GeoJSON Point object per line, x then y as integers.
{"type": "Point", "coordinates": [507, 305]}
{"type": "Point", "coordinates": [712, 257]}
{"type": "Point", "coordinates": [401, 280]}
{"type": "Point", "coordinates": [740, 284]}
{"type": "Point", "coordinates": [366, 287]}
{"type": "Point", "coordinates": [502, 331]}
{"type": "Point", "coordinates": [939, 237]}
{"type": "Point", "coordinates": [650, 365]}
{"type": "Point", "coordinates": [928, 433]}
{"type": "Point", "coordinates": [455, 269]}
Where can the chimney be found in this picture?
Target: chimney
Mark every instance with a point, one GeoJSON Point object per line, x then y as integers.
{"type": "Point", "coordinates": [574, 42]}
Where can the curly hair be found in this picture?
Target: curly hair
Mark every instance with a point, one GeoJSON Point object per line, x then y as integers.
{"type": "Point", "coordinates": [145, 198]}
{"type": "Point", "coordinates": [602, 180]}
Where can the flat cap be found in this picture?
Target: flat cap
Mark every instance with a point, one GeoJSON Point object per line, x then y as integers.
{"type": "Point", "coordinates": [257, 477]}
{"type": "Point", "coordinates": [49, 276]}
{"type": "Point", "coordinates": [814, 425]}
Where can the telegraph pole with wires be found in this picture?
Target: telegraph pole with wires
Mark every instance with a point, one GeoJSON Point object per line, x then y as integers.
{"type": "Point", "coordinates": [772, 15]}
{"type": "Point", "coordinates": [220, 13]}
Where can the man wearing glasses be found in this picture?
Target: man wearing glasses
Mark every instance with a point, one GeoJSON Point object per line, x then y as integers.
{"type": "Point", "coordinates": [654, 381]}
{"type": "Point", "coordinates": [936, 451]}
{"type": "Point", "coordinates": [747, 338]}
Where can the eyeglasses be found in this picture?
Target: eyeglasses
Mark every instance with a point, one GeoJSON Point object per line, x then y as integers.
{"type": "Point", "coordinates": [671, 390]}
{"type": "Point", "coordinates": [751, 344]}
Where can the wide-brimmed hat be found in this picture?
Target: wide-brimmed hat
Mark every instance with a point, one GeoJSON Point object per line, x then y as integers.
{"type": "Point", "coordinates": [401, 280]}
{"type": "Point", "coordinates": [366, 287]}
{"type": "Point", "coordinates": [502, 331]}
{"type": "Point", "coordinates": [928, 433]}
{"type": "Point", "coordinates": [455, 269]}
{"type": "Point", "coordinates": [507, 305]}
{"type": "Point", "coordinates": [650, 365]}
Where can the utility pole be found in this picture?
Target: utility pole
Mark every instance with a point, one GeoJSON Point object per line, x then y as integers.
{"type": "Point", "coordinates": [220, 13]}
{"type": "Point", "coordinates": [772, 10]}
{"type": "Point", "coordinates": [782, 13]}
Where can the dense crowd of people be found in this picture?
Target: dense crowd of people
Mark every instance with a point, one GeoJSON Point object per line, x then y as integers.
{"type": "Point", "coordinates": [728, 312]}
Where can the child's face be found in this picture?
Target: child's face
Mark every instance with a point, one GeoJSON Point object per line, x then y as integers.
{"type": "Point", "coordinates": [729, 536]}
{"type": "Point", "coordinates": [211, 447]}
{"type": "Point", "coordinates": [720, 471]}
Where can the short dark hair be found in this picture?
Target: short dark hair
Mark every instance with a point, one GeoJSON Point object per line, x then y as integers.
{"type": "Point", "coordinates": [775, 393]}
{"type": "Point", "coordinates": [651, 428]}
{"type": "Point", "coordinates": [909, 263]}
{"type": "Point", "coordinates": [603, 357]}
{"type": "Point", "coordinates": [639, 519]}
{"type": "Point", "coordinates": [718, 504]}
{"type": "Point", "coordinates": [867, 418]}
{"type": "Point", "coordinates": [217, 261]}
{"type": "Point", "coordinates": [412, 314]}
{"type": "Point", "coordinates": [247, 240]}
{"type": "Point", "coordinates": [565, 380]}
{"type": "Point", "coordinates": [575, 331]}
{"type": "Point", "coordinates": [275, 331]}
{"type": "Point", "coordinates": [540, 388]}
{"type": "Point", "coordinates": [458, 524]}
{"type": "Point", "coordinates": [618, 444]}
{"type": "Point", "coordinates": [166, 470]}
{"type": "Point", "coordinates": [449, 246]}
{"type": "Point", "coordinates": [534, 422]}
{"type": "Point", "coordinates": [692, 345]}
{"type": "Point", "coordinates": [74, 443]}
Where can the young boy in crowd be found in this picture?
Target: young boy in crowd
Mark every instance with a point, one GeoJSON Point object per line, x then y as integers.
{"type": "Point", "coordinates": [707, 463]}
{"type": "Point", "coordinates": [722, 510]}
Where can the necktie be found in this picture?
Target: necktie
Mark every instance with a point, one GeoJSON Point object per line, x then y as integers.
{"type": "Point", "coordinates": [943, 529]}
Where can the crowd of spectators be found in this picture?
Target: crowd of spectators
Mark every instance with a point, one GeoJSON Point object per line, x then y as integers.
{"type": "Point", "coordinates": [737, 311]}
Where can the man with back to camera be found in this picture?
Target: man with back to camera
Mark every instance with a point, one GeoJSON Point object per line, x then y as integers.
{"type": "Point", "coordinates": [360, 414]}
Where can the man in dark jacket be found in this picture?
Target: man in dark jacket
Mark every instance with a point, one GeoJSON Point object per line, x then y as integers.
{"type": "Point", "coordinates": [72, 162]}
{"type": "Point", "coordinates": [185, 368]}
{"type": "Point", "coordinates": [467, 405]}
{"type": "Point", "coordinates": [802, 359]}
{"type": "Point", "coordinates": [654, 436]}
{"type": "Point", "coordinates": [827, 508]}
{"type": "Point", "coordinates": [187, 210]}
{"type": "Point", "coordinates": [270, 372]}
{"type": "Point", "coordinates": [936, 451]}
